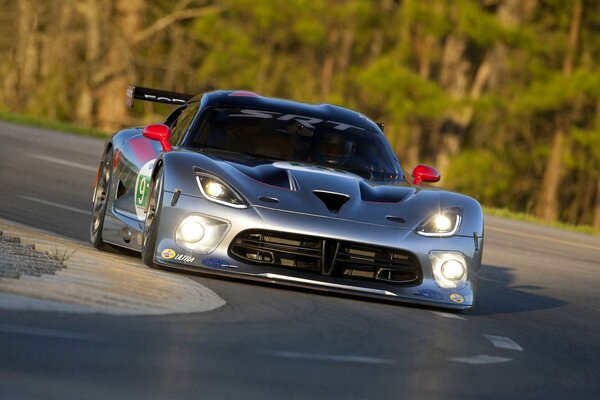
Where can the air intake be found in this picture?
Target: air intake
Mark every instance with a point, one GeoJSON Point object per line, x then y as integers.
{"type": "Point", "coordinates": [325, 256]}
{"type": "Point", "coordinates": [333, 201]}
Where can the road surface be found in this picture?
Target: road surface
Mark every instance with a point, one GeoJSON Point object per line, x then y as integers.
{"type": "Point", "coordinates": [534, 335]}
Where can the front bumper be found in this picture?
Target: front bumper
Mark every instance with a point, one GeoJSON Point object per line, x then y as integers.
{"type": "Point", "coordinates": [220, 261]}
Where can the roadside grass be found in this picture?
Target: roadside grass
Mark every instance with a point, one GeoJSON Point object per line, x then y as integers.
{"type": "Point", "coordinates": [517, 216]}
{"type": "Point", "coordinates": [51, 124]}
{"type": "Point", "coordinates": [79, 130]}
{"type": "Point", "coordinates": [60, 255]}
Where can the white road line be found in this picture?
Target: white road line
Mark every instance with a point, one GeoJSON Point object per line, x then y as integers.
{"type": "Point", "coordinates": [332, 358]}
{"type": "Point", "coordinates": [64, 162]}
{"type": "Point", "coordinates": [448, 315]}
{"type": "Point", "coordinates": [480, 359]}
{"type": "Point", "coordinates": [504, 342]}
{"type": "Point", "coordinates": [27, 330]}
{"type": "Point", "coordinates": [49, 203]}
{"type": "Point", "coordinates": [547, 239]}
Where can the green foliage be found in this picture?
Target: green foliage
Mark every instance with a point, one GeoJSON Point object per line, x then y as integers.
{"type": "Point", "coordinates": [482, 84]}
{"type": "Point", "coordinates": [394, 90]}
{"type": "Point", "coordinates": [482, 174]}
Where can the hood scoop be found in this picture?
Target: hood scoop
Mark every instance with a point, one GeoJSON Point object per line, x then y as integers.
{"type": "Point", "coordinates": [269, 175]}
{"type": "Point", "coordinates": [333, 201]}
{"type": "Point", "coordinates": [384, 194]}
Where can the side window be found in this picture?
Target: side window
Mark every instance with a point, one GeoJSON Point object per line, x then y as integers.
{"type": "Point", "coordinates": [180, 123]}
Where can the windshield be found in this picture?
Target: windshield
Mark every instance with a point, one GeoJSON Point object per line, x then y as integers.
{"type": "Point", "coordinates": [278, 136]}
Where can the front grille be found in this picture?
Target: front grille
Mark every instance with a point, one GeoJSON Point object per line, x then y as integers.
{"type": "Point", "coordinates": [325, 256]}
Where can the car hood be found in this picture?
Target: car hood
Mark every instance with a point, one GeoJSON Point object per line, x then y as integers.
{"type": "Point", "coordinates": [329, 192]}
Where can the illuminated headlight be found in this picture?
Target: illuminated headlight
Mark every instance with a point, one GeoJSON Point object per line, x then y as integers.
{"type": "Point", "coordinates": [442, 223]}
{"type": "Point", "coordinates": [200, 233]}
{"type": "Point", "coordinates": [216, 190]}
{"type": "Point", "coordinates": [449, 269]}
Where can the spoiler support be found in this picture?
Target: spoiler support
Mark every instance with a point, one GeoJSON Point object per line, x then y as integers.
{"type": "Point", "coordinates": [154, 95]}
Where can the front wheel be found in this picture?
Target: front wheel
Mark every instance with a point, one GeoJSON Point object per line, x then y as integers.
{"type": "Point", "coordinates": [101, 196]}
{"type": "Point", "coordinates": [152, 220]}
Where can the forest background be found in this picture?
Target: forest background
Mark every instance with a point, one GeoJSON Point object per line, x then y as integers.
{"type": "Point", "coordinates": [502, 96]}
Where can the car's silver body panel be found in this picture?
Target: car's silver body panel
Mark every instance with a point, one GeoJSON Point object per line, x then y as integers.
{"type": "Point", "coordinates": [379, 214]}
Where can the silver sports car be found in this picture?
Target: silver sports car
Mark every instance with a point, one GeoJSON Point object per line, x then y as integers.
{"type": "Point", "coordinates": [237, 184]}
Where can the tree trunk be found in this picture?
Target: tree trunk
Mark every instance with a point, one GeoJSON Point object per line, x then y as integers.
{"type": "Point", "coordinates": [547, 205]}
{"type": "Point", "coordinates": [597, 210]}
{"type": "Point", "coordinates": [112, 111]}
{"type": "Point", "coordinates": [26, 52]}
{"type": "Point", "coordinates": [423, 44]}
{"type": "Point", "coordinates": [329, 64]}
{"type": "Point", "coordinates": [85, 102]}
{"type": "Point", "coordinates": [455, 75]}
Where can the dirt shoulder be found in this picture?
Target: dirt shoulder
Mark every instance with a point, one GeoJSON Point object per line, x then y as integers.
{"type": "Point", "coordinates": [45, 272]}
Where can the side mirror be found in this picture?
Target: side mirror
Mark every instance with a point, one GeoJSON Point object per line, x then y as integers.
{"type": "Point", "coordinates": [160, 133]}
{"type": "Point", "coordinates": [425, 173]}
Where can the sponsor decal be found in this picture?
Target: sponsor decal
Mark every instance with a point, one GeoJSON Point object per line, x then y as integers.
{"type": "Point", "coordinates": [217, 263]}
{"type": "Point", "coordinates": [142, 186]}
{"type": "Point", "coordinates": [430, 294]}
{"type": "Point", "coordinates": [184, 258]}
{"type": "Point", "coordinates": [308, 122]}
{"type": "Point", "coordinates": [139, 239]}
{"type": "Point", "coordinates": [163, 98]}
{"type": "Point", "coordinates": [168, 254]}
{"type": "Point", "coordinates": [457, 298]}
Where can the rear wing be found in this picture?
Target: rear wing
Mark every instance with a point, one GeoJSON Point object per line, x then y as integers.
{"type": "Point", "coordinates": [155, 95]}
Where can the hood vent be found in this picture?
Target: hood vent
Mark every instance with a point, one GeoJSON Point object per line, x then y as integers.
{"type": "Point", "coordinates": [393, 218]}
{"type": "Point", "coordinates": [383, 193]}
{"type": "Point", "coordinates": [333, 201]}
{"type": "Point", "coordinates": [268, 174]}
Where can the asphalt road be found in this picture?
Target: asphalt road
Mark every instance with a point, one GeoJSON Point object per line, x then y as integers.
{"type": "Point", "coordinates": [534, 335]}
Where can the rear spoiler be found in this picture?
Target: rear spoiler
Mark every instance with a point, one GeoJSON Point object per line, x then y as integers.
{"type": "Point", "coordinates": [155, 95]}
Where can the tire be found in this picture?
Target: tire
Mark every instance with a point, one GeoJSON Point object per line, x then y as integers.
{"type": "Point", "coordinates": [150, 232]}
{"type": "Point", "coordinates": [101, 196]}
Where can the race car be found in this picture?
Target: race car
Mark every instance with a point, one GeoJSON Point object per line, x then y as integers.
{"type": "Point", "coordinates": [234, 183]}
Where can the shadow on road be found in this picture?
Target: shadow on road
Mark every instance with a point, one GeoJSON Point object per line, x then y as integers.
{"type": "Point", "coordinates": [496, 294]}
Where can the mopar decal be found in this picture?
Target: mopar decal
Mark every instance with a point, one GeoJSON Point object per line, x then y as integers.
{"type": "Point", "coordinates": [142, 184]}
{"type": "Point", "coordinates": [168, 254]}
{"type": "Point", "coordinates": [430, 294]}
{"type": "Point", "coordinates": [457, 298]}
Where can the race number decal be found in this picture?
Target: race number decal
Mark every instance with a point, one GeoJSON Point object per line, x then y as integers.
{"type": "Point", "coordinates": [142, 186]}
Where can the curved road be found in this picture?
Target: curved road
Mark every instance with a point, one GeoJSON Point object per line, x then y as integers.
{"type": "Point", "coordinates": [534, 335]}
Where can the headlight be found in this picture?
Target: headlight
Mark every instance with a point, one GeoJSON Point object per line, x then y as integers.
{"type": "Point", "coordinates": [214, 189]}
{"type": "Point", "coordinates": [201, 233]}
{"type": "Point", "coordinates": [442, 223]}
{"type": "Point", "coordinates": [449, 269]}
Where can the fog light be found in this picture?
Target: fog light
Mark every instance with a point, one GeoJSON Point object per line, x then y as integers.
{"type": "Point", "coordinates": [201, 233]}
{"type": "Point", "coordinates": [449, 269]}
{"type": "Point", "coordinates": [191, 229]}
{"type": "Point", "coordinates": [453, 270]}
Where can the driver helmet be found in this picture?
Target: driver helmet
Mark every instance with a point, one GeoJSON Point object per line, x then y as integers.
{"type": "Point", "coordinates": [334, 148]}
